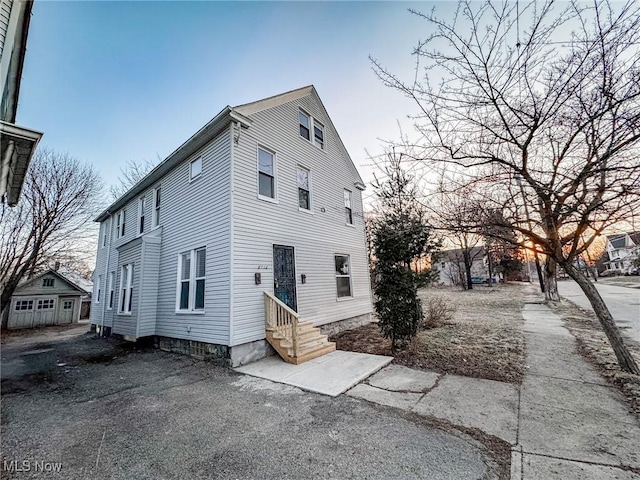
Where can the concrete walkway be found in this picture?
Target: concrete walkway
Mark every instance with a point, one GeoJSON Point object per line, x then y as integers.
{"type": "Point", "coordinates": [564, 422]}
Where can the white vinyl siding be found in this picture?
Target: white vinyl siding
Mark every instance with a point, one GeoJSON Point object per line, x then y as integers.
{"type": "Point", "coordinates": [316, 238]}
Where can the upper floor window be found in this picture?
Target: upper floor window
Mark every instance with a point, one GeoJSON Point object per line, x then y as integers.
{"type": "Point", "coordinates": [156, 207]}
{"type": "Point", "coordinates": [192, 268]}
{"type": "Point", "coordinates": [141, 204]}
{"type": "Point", "coordinates": [318, 134]}
{"type": "Point", "coordinates": [126, 287]}
{"type": "Point", "coordinates": [105, 231]}
{"type": "Point", "coordinates": [305, 125]}
{"type": "Point", "coordinates": [347, 207]}
{"type": "Point", "coordinates": [309, 124]}
{"type": "Point", "coordinates": [266, 173]}
{"type": "Point", "coordinates": [304, 189]}
{"type": "Point", "coordinates": [48, 282]}
{"type": "Point", "coordinates": [120, 224]}
{"type": "Point", "coordinates": [196, 168]}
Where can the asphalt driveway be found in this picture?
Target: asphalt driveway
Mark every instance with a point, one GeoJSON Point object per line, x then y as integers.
{"type": "Point", "coordinates": [104, 409]}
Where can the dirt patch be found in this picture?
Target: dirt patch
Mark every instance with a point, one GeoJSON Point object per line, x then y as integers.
{"type": "Point", "coordinates": [594, 346]}
{"type": "Point", "coordinates": [483, 339]}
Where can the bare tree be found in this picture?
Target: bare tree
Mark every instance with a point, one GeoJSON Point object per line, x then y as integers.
{"type": "Point", "coordinates": [131, 174]}
{"type": "Point", "coordinates": [543, 92]}
{"type": "Point", "coordinates": [52, 221]}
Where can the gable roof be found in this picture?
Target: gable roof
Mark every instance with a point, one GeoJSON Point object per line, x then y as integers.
{"type": "Point", "coordinates": [286, 97]}
{"type": "Point", "coordinates": [61, 277]}
{"type": "Point", "coordinates": [210, 130]}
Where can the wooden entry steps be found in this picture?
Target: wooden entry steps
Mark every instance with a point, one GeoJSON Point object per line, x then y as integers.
{"type": "Point", "coordinates": [295, 341]}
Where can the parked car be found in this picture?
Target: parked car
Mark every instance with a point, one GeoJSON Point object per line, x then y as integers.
{"type": "Point", "coordinates": [478, 280]}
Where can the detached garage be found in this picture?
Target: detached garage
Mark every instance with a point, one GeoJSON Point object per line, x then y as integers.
{"type": "Point", "coordinates": [48, 299]}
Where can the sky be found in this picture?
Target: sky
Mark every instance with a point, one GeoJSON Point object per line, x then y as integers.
{"type": "Point", "coordinates": [110, 82]}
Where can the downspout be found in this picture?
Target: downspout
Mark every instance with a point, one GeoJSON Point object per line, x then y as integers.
{"type": "Point", "coordinates": [232, 128]}
{"type": "Point", "coordinates": [106, 274]}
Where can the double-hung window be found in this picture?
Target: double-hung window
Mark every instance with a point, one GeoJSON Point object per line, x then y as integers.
{"type": "Point", "coordinates": [104, 227]}
{"type": "Point", "coordinates": [304, 189]}
{"type": "Point", "coordinates": [141, 204]}
{"type": "Point", "coordinates": [305, 125]}
{"type": "Point", "coordinates": [192, 271]}
{"type": "Point", "coordinates": [311, 129]}
{"type": "Point", "coordinates": [99, 289]}
{"type": "Point", "coordinates": [120, 224]}
{"type": "Point", "coordinates": [126, 289]}
{"type": "Point", "coordinates": [318, 134]}
{"type": "Point", "coordinates": [343, 275]}
{"type": "Point", "coordinates": [110, 291]}
{"type": "Point", "coordinates": [156, 206]}
{"type": "Point", "coordinates": [266, 173]}
{"type": "Point", "coordinates": [347, 207]}
{"type": "Point", "coordinates": [195, 169]}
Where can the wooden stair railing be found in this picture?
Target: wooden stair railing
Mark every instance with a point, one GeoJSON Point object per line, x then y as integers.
{"type": "Point", "coordinates": [295, 341]}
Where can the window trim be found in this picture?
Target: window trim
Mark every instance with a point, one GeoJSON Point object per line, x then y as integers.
{"type": "Point", "coordinates": [104, 230]}
{"type": "Point", "coordinates": [309, 184]}
{"type": "Point", "coordinates": [190, 310]}
{"type": "Point", "coordinates": [157, 204]}
{"type": "Point", "coordinates": [110, 290]}
{"type": "Point", "coordinates": [273, 153]}
{"type": "Point", "coordinates": [50, 302]}
{"type": "Point", "coordinates": [350, 207]}
{"type": "Point", "coordinates": [120, 223]}
{"type": "Point", "coordinates": [141, 216]}
{"type": "Point", "coordinates": [193, 177]}
{"type": "Point", "coordinates": [99, 289]}
{"type": "Point", "coordinates": [312, 134]}
{"type": "Point", "coordinates": [126, 291]}
{"type": "Point", "coordinates": [29, 305]}
{"type": "Point", "coordinates": [350, 276]}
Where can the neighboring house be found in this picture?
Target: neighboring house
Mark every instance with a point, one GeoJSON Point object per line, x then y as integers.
{"type": "Point", "coordinates": [622, 249]}
{"type": "Point", "coordinates": [17, 144]}
{"type": "Point", "coordinates": [257, 216]}
{"type": "Point", "coordinates": [452, 269]}
{"type": "Point", "coordinates": [47, 299]}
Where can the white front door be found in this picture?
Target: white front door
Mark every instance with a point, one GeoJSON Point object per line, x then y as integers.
{"type": "Point", "coordinates": [65, 310]}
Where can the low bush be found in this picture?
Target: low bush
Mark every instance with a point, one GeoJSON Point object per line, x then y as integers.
{"type": "Point", "coordinates": [438, 313]}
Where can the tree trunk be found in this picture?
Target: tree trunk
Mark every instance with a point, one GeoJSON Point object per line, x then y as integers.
{"type": "Point", "coordinates": [540, 277]}
{"type": "Point", "coordinates": [625, 360]}
{"type": "Point", "coordinates": [467, 268]}
{"type": "Point", "coordinates": [550, 281]}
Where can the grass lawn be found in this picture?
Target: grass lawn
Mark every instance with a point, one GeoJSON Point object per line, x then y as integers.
{"type": "Point", "coordinates": [483, 339]}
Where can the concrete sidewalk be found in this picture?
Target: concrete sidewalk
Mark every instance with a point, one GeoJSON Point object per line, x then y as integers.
{"type": "Point", "coordinates": [564, 422]}
{"type": "Point", "coordinates": [571, 423]}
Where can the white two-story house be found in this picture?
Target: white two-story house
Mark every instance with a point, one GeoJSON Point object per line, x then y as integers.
{"type": "Point", "coordinates": [257, 216]}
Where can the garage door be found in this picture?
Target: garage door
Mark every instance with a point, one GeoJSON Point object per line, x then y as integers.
{"type": "Point", "coordinates": [45, 312]}
{"type": "Point", "coordinates": [21, 315]}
